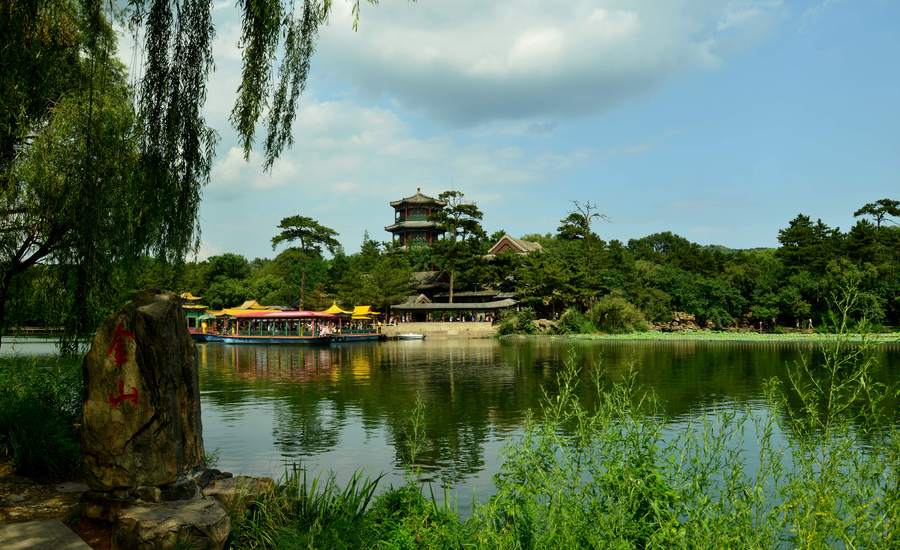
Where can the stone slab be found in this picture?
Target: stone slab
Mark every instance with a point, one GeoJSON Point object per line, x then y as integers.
{"type": "Point", "coordinates": [202, 523]}
{"type": "Point", "coordinates": [51, 534]}
{"type": "Point", "coordinates": [236, 492]}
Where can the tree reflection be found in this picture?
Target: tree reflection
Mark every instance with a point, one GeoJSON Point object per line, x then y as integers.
{"type": "Point", "coordinates": [473, 391]}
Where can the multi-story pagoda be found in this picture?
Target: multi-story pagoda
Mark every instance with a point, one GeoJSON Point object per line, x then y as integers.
{"type": "Point", "coordinates": [412, 220]}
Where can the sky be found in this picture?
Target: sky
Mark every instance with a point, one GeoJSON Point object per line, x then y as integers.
{"type": "Point", "coordinates": [718, 120]}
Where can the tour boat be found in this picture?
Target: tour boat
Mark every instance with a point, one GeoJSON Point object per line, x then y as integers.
{"type": "Point", "coordinates": [278, 327]}
{"type": "Point", "coordinates": [359, 325]}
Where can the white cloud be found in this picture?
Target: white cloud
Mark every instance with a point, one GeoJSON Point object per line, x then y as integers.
{"type": "Point", "coordinates": [341, 146]}
{"type": "Point", "coordinates": [470, 61]}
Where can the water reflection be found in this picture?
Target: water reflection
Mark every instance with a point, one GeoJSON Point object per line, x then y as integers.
{"type": "Point", "coordinates": [346, 407]}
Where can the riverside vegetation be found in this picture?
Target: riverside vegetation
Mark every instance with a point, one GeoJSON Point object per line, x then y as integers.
{"type": "Point", "coordinates": [611, 474]}
{"type": "Point", "coordinates": [605, 469]}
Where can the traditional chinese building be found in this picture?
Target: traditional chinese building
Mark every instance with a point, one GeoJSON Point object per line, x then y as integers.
{"type": "Point", "coordinates": [513, 245]}
{"type": "Point", "coordinates": [412, 220]}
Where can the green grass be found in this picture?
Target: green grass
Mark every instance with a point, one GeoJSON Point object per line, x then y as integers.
{"type": "Point", "coordinates": [40, 402]}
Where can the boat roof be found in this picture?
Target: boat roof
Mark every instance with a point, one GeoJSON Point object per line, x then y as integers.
{"type": "Point", "coordinates": [363, 311]}
{"type": "Point", "coordinates": [336, 310]}
{"type": "Point", "coordinates": [303, 314]}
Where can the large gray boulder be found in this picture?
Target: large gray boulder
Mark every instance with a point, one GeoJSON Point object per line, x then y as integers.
{"type": "Point", "coordinates": [198, 523]}
{"type": "Point", "coordinates": [141, 422]}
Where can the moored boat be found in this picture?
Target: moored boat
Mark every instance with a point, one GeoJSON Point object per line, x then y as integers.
{"type": "Point", "coordinates": [359, 325]}
{"type": "Point", "coordinates": [410, 336]}
{"type": "Point", "coordinates": [278, 327]}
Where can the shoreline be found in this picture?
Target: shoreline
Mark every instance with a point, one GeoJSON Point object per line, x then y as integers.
{"type": "Point", "coordinates": [713, 336]}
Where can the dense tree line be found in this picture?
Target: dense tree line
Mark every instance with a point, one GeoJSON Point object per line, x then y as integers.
{"type": "Point", "coordinates": [619, 286]}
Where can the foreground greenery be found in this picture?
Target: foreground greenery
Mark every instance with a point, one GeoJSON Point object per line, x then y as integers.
{"type": "Point", "coordinates": [40, 403]}
{"type": "Point", "coordinates": [824, 472]}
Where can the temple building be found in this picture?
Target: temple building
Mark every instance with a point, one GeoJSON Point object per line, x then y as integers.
{"type": "Point", "coordinates": [514, 246]}
{"type": "Point", "coordinates": [412, 224]}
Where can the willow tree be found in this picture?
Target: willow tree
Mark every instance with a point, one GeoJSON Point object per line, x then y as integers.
{"type": "Point", "coordinates": [278, 39]}
{"type": "Point", "coordinates": [127, 181]}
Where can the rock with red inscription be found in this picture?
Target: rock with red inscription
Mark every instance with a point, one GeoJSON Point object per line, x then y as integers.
{"type": "Point", "coordinates": [141, 421]}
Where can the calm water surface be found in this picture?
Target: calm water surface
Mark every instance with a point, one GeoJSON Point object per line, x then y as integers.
{"type": "Point", "coordinates": [345, 407]}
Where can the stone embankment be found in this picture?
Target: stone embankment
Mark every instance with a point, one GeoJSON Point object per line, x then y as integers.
{"type": "Point", "coordinates": [440, 329]}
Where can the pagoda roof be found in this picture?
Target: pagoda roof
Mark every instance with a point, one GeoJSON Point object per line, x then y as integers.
{"type": "Point", "coordinates": [418, 198]}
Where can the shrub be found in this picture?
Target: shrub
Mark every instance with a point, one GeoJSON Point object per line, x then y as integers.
{"type": "Point", "coordinates": [573, 321]}
{"type": "Point", "coordinates": [517, 322]}
{"type": "Point", "coordinates": [614, 314]}
{"type": "Point", "coordinates": [40, 402]}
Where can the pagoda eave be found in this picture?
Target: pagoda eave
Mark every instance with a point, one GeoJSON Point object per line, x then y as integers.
{"type": "Point", "coordinates": [412, 226]}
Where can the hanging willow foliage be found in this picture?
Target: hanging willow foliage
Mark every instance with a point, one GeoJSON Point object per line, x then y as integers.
{"type": "Point", "coordinates": [176, 144]}
{"type": "Point", "coordinates": [177, 38]}
{"type": "Point", "coordinates": [172, 89]}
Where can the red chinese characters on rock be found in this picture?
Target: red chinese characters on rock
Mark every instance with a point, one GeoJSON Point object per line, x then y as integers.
{"type": "Point", "coordinates": [119, 347]}
{"type": "Point", "coordinates": [115, 400]}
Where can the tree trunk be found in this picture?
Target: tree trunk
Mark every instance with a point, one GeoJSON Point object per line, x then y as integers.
{"type": "Point", "coordinates": [452, 277]}
{"type": "Point", "coordinates": [4, 290]}
{"type": "Point", "coordinates": [302, 288]}
{"type": "Point", "coordinates": [2, 312]}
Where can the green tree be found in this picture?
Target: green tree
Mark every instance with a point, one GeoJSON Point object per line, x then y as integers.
{"type": "Point", "coordinates": [461, 221]}
{"type": "Point", "coordinates": [83, 182]}
{"type": "Point", "coordinates": [226, 266]}
{"type": "Point", "coordinates": [73, 196]}
{"type": "Point", "coordinates": [807, 246]}
{"type": "Point", "coordinates": [881, 210]}
{"type": "Point", "coordinates": [577, 224]}
{"type": "Point", "coordinates": [312, 237]}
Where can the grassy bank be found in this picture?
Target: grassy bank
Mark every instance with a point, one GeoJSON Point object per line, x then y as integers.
{"type": "Point", "coordinates": [824, 472]}
{"type": "Point", "coordinates": [40, 403]}
{"type": "Point", "coordinates": [724, 336]}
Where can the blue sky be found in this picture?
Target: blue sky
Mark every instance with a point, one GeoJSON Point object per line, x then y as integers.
{"type": "Point", "coordinates": [717, 120]}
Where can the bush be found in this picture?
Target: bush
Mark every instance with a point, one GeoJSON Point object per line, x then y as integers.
{"type": "Point", "coordinates": [573, 321]}
{"type": "Point", "coordinates": [614, 314]}
{"type": "Point", "coordinates": [517, 322]}
{"type": "Point", "coordinates": [40, 402]}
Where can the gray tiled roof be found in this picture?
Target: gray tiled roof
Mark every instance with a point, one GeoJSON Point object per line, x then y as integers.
{"type": "Point", "coordinates": [413, 225]}
{"type": "Point", "coordinates": [418, 198]}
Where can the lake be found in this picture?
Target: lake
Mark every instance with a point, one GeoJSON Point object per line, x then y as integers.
{"type": "Point", "coordinates": [345, 407]}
